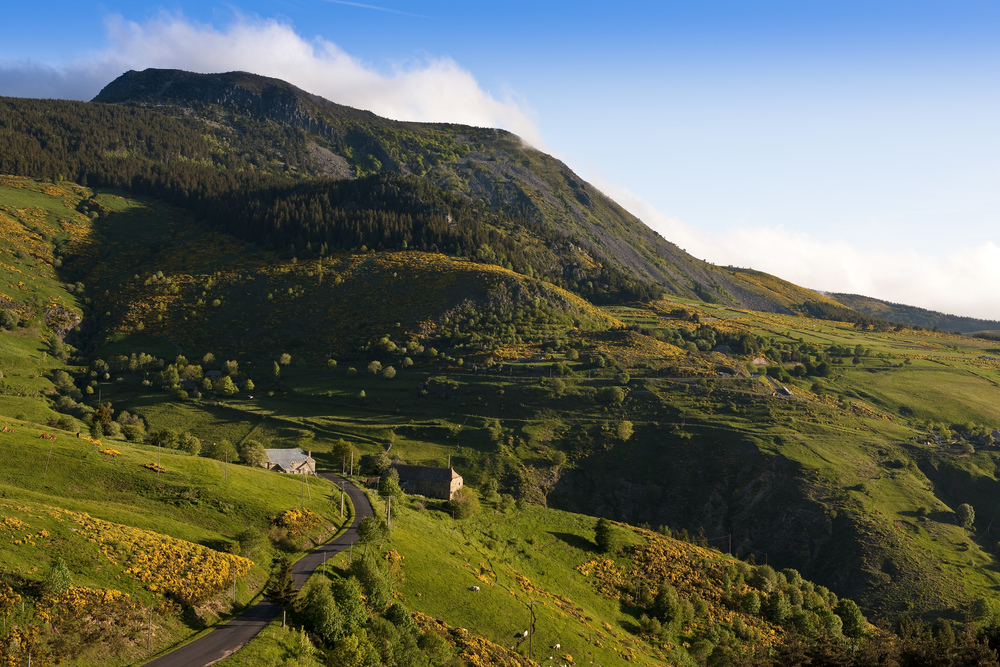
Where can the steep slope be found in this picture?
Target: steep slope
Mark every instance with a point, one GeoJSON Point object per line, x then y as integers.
{"type": "Point", "coordinates": [486, 165]}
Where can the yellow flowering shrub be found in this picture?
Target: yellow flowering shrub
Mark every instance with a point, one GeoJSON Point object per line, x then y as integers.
{"type": "Point", "coordinates": [12, 523]}
{"type": "Point", "coordinates": [8, 598]}
{"type": "Point", "coordinates": [83, 617]}
{"type": "Point", "coordinates": [297, 521]}
{"type": "Point", "coordinates": [110, 452]}
{"type": "Point", "coordinates": [187, 572]}
{"type": "Point", "coordinates": [18, 642]}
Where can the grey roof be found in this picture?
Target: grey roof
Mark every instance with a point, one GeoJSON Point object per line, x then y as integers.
{"type": "Point", "coordinates": [286, 458]}
{"type": "Point", "coordinates": [424, 473]}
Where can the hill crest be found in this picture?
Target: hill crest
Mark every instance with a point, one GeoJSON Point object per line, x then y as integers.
{"type": "Point", "coordinates": [489, 166]}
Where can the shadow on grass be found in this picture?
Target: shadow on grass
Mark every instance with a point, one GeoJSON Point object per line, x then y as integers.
{"type": "Point", "coordinates": [575, 541]}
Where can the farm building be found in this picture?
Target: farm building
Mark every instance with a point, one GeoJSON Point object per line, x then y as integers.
{"type": "Point", "coordinates": [293, 461]}
{"type": "Point", "coordinates": [428, 481]}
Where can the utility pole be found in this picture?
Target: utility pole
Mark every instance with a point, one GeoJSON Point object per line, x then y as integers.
{"type": "Point", "coordinates": [341, 500]}
{"type": "Point", "coordinates": [149, 629]}
{"type": "Point", "coordinates": [531, 627]}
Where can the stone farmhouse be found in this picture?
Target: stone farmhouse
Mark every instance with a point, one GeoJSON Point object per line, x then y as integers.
{"type": "Point", "coordinates": [293, 461]}
{"type": "Point", "coordinates": [428, 481]}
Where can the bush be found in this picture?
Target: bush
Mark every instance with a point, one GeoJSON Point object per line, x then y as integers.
{"type": "Point", "coordinates": [166, 438]}
{"type": "Point", "coordinates": [378, 463]}
{"type": "Point", "coordinates": [750, 604]}
{"type": "Point", "coordinates": [59, 579]}
{"type": "Point", "coordinates": [252, 453]}
{"type": "Point", "coordinates": [607, 536]}
{"type": "Point", "coordinates": [776, 608]}
{"type": "Point", "coordinates": [223, 450]}
{"type": "Point", "coordinates": [190, 444]}
{"type": "Point", "coordinates": [667, 605]}
{"type": "Point", "coordinates": [9, 319]}
{"type": "Point", "coordinates": [464, 503]}
{"type": "Point", "coordinates": [389, 484]}
{"type": "Point", "coordinates": [965, 516]}
{"type": "Point", "coordinates": [134, 432]}
{"type": "Point", "coordinates": [611, 395]}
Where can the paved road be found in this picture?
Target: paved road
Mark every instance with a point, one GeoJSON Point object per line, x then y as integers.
{"type": "Point", "coordinates": [232, 636]}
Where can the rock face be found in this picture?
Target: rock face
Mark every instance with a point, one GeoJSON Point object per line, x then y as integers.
{"type": "Point", "coordinates": [61, 320]}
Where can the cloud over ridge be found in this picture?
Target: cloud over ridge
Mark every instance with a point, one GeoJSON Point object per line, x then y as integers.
{"type": "Point", "coordinates": [436, 90]}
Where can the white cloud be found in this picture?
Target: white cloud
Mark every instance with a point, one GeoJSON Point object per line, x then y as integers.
{"type": "Point", "coordinates": [959, 282]}
{"type": "Point", "coordinates": [435, 90]}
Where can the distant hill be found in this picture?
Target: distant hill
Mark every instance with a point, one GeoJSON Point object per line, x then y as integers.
{"type": "Point", "coordinates": [895, 312]}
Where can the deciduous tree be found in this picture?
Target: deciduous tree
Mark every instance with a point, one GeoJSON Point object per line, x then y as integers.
{"type": "Point", "coordinates": [607, 536]}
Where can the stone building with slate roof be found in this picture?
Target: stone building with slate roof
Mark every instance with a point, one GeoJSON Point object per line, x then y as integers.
{"type": "Point", "coordinates": [293, 461]}
{"type": "Point", "coordinates": [428, 481]}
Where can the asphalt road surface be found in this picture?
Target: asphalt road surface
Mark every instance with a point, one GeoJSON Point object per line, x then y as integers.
{"type": "Point", "coordinates": [231, 637]}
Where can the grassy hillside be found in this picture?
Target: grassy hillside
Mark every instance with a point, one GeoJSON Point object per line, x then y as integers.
{"type": "Point", "coordinates": [184, 540]}
{"type": "Point", "coordinates": [842, 451]}
{"type": "Point", "coordinates": [655, 599]}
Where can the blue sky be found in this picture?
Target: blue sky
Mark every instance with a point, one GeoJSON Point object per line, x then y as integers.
{"type": "Point", "coordinates": [846, 146]}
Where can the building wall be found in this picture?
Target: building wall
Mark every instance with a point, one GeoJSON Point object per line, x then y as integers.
{"type": "Point", "coordinates": [429, 489]}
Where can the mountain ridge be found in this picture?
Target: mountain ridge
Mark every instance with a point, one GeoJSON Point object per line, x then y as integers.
{"type": "Point", "coordinates": [914, 315]}
{"type": "Point", "coordinates": [492, 166]}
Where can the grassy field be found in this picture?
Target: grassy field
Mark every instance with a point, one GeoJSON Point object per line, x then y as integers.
{"type": "Point", "coordinates": [852, 476]}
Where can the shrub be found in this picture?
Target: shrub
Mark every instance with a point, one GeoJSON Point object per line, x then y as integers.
{"type": "Point", "coordinates": [607, 536]}
{"type": "Point", "coordinates": [965, 516]}
{"type": "Point", "coordinates": [252, 453]}
{"type": "Point", "coordinates": [750, 604]}
{"type": "Point", "coordinates": [378, 463]}
{"type": "Point", "coordinates": [59, 579]}
{"type": "Point", "coordinates": [389, 484]}
{"type": "Point", "coordinates": [464, 503]}
{"type": "Point", "coordinates": [611, 395]}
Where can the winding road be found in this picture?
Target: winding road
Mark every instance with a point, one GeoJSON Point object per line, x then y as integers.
{"type": "Point", "coordinates": [231, 637]}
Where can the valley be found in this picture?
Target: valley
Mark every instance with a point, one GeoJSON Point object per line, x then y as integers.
{"type": "Point", "coordinates": [762, 470]}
